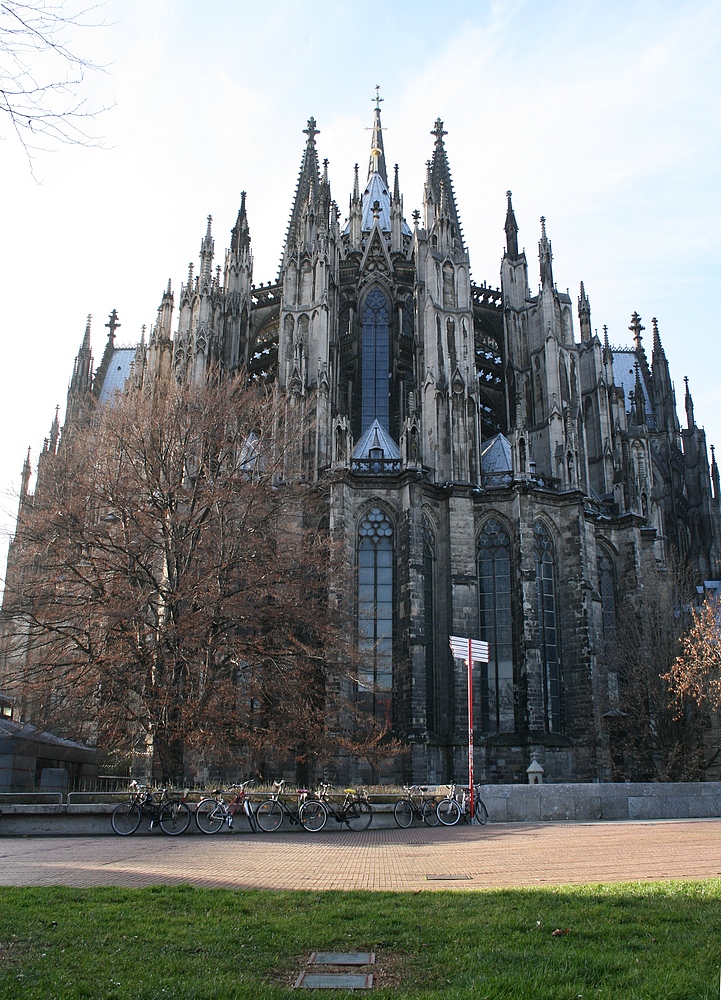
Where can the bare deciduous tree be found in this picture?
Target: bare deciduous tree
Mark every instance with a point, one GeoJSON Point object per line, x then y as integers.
{"type": "Point", "coordinates": [181, 595]}
{"type": "Point", "coordinates": [41, 73]}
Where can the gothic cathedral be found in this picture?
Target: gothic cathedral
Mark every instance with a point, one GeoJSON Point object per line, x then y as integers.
{"type": "Point", "coordinates": [491, 473]}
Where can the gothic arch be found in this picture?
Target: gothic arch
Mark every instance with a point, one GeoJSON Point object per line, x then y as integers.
{"type": "Point", "coordinates": [547, 576]}
{"type": "Point", "coordinates": [495, 610]}
{"type": "Point", "coordinates": [375, 558]}
{"type": "Point", "coordinates": [305, 285]}
{"type": "Point", "coordinates": [430, 631]}
{"type": "Point", "coordinates": [263, 348]}
{"type": "Point", "coordinates": [376, 324]}
{"type": "Point", "coordinates": [449, 286]}
{"type": "Point", "coordinates": [607, 587]}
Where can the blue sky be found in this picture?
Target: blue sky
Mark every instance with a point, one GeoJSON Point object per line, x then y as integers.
{"type": "Point", "coordinates": [602, 116]}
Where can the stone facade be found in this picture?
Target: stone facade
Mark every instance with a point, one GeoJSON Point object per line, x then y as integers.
{"type": "Point", "coordinates": [491, 474]}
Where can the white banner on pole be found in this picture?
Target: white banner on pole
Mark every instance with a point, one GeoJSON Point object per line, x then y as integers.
{"type": "Point", "coordinates": [459, 648]}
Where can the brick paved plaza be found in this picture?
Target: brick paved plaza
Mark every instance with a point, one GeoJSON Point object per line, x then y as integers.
{"type": "Point", "coordinates": [492, 856]}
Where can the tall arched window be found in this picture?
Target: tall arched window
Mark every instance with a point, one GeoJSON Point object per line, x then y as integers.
{"type": "Point", "coordinates": [375, 613]}
{"type": "Point", "coordinates": [429, 569]}
{"type": "Point", "coordinates": [375, 360]}
{"type": "Point", "coordinates": [607, 589]}
{"type": "Point", "coordinates": [548, 628]}
{"type": "Point", "coordinates": [494, 590]}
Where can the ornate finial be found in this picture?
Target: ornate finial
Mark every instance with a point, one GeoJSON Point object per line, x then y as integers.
{"type": "Point", "coordinates": [377, 99]}
{"type": "Point", "coordinates": [685, 379]}
{"type": "Point", "coordinates": [438, 131]}
{"type": "Point", "coordinates": [713, 455]}
{"type": "Point", "coordinates": [113, 323]}
{"type": "Point", "coordinates": [543, 227]}
{"type": "Point", "coordinates": [311, 131]}
{"type": "Point", "coordinates": [168, 290]}
{"type": "Point", "coordinates": [636, 329]}
{"type": "Point", "coordinates": [416, 216]}
{"type": "Point", "coordinates": [210, 223]}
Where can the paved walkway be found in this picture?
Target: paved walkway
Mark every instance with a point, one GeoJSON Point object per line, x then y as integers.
{"type": "Point", "coordinates": [421, 858]}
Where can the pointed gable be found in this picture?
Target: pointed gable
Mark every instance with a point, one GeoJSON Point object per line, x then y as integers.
{"type": "Point", "coordinates": [374, 439]}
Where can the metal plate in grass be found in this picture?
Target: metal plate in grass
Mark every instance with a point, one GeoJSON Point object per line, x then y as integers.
{"type": "Point", "coordinates": [333, 981]}
{"type": "Point", "coordinates": [342, 958]}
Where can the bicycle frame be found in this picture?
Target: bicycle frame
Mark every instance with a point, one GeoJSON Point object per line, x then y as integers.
{"type": "Point", "coordinates": [349, 799]}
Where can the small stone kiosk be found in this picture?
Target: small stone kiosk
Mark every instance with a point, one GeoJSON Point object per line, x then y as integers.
{"type": "Point", "coordinates": [31, 760]}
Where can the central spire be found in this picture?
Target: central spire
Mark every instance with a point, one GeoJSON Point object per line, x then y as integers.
{"type": "Point", "coordinates": [377, 163]}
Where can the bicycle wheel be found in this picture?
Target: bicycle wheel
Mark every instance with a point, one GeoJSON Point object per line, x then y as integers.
{"type": "Point", "coordinates": [448, 812]}
{"type": "Point", "coordinates": [209, 815]}
{"type": "Point", "coordinates": [174, 818]}
{"type": "Point", "coordinates": [403, 813]}
{"type": "Point", "coordinates": [359, 815]}
{"type": "Point", "coordinates": [126, 818]}
{"type": "Point", "coordinates": [430, 816]}
{"type": "Point", "coordinates": [481, 812]}
{"type": "Point", "coordinates": [313, 815]}
{"type": "Point", "coordinates": [269, 816]}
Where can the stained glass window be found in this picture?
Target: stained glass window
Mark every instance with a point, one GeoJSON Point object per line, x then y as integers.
{"type": "Point", "coordinates": [429, 628]}
{"type": "Point", "coordinates": [494, 590]}
{"type": "Point", "coordinates": [548, 628]}
{"type": "Point", "coordinates": [607, 588]}
{"type": "Point", "coordinates": [375, 360]}
{"type": "Point", "coordinates": [375, 613]}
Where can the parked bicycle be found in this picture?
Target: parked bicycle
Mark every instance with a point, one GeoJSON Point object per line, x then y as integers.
{"type": "Point", "coordinates": [270, 814]}
{"type": "Point", "coordinates": [415, 805]}
{"type": "Point", "coordinates": [355, 810]}
{"type": "Point", "coordinates": [212, 812]}
{"type": "Point", "coordinates": [450, 810]}
{"type": "Point", "coordinates": [165, 808]}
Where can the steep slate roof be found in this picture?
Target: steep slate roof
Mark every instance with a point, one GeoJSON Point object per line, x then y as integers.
{"type": "Point", "coordinates": [376, 437]}
{"type": "Point", "coordinates": [496, 455]}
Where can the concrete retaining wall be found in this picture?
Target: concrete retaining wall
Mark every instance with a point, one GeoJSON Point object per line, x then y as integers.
{"type": "Point", "coordinates": [589, 802]}
{"type": "Point", "coordinates": [505, 804]}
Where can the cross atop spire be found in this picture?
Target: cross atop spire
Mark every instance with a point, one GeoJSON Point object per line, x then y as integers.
{"type": "Point", "coordinates": [511, 228]}
{"type": "Point", "coordinates": [545, 255]}
{"type": "Point", "coordinates": [690, 419]}
{"type": "Point", "coordinates": [377, 162]}
{"type": "Point", "coordinates": [377, 99]}
{"type": "Point", "coordinates": [438, 131]}
{"type": "Point", "coordinates": [311, 131]}
{"type": "Point", "coordinates": [113, 323]}
{"type": "Point", "coordinates": [438, 177]}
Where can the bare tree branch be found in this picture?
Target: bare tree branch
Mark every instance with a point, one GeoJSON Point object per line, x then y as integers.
{"type": "Point", "coordinates": [173, 591]}
{"type": "Point", "coordinates": [42, 74]}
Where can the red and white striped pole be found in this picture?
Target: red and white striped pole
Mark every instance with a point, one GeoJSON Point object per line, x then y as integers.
{"type": "Point", "coordinates": [470, 650]}
{"type": "Point", "coordinates": [470, 727]}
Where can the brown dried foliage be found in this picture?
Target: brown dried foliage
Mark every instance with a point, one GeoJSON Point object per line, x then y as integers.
{"type": "Point", "coordinates": [695, 674]}
{"type": "Point", "coordinates": [175, 587]}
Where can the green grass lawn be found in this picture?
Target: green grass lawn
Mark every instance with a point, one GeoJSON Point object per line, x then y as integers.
{"type": "Point", "coordinates": [658, 940]}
